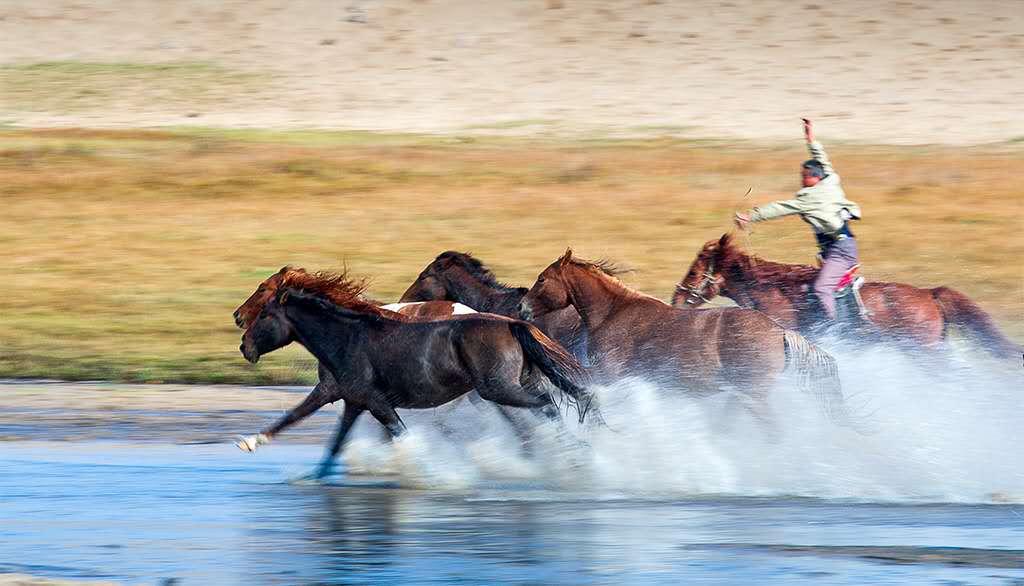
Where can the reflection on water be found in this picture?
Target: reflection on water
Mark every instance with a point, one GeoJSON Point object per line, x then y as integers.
{"type": "Point", "coordinates": [209, 515]}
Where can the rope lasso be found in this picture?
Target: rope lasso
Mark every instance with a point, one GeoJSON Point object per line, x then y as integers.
{"type": "Point", "coordinates": [746, 229]}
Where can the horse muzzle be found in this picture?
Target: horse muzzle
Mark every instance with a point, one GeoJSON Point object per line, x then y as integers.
{"type": "Point", "coordinates": [238, 319]}
{"type": "Point", "coordinates": [249, 353]}
{"type": "Point", "coordinates": [525, 311]}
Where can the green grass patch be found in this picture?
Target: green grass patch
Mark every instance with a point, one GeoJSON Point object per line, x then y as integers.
{"type": "Point", "coordinates": [62, 87]}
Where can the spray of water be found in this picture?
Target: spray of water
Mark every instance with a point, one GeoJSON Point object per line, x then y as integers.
{"type": "Point", "coordinates": [941, 431]}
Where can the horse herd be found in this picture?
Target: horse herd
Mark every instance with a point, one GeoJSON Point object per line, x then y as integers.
{"type": "Point", "coordinates": [458, 331]}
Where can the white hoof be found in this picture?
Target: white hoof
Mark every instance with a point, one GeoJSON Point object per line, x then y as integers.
{"type": "Point", "coordinates": [249, 443]}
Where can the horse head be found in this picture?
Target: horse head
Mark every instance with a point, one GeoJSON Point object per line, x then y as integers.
{"type": "Point", "coordinates": [248, 311]}
{"type": "Point", "coordinates": [431, 283]}
{"type": "Point", "coordinates": [704, 280]}
{"type": "Point", "coordinates": [271, 328]}
{"type": "Point", "coordinates": [458, 276]}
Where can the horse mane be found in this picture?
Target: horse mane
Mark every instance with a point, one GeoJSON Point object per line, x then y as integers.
{"type": "Point", "coordinates": [602, 265]}
{"type": "Point", "coordinates": [606, 269]}
{"type": "Point", "coordinates": [760, 270]}
{"type": "Point", "coordinates": [474, 267]}
{"type": "Point", "coordinates": [338, 288]}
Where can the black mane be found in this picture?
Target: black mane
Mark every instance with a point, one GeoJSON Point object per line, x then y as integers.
{"type": "Point", "coordinates": [476, 269]}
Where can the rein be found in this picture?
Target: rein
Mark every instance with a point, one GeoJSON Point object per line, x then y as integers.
{"type": "Point", "coordinates": [698, 291]}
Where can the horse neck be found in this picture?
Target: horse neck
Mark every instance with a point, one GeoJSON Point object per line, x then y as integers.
{"type": "Point", "coordinates": [328, 337]}
{"type": "Point", "coordinates": [485, 298]}
{"type": "Point", "coordinates": [741, 284]}
{"type": "Point", "coordinates": [595, 297]}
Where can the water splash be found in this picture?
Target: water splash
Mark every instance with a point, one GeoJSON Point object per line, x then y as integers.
{"type": "Point", "coordinates": [939, 432]}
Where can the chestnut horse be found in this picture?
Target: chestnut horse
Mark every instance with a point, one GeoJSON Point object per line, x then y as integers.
{"type": "Point", "coordinates": [701, 352]}
{"type": "Point", "coordinates": [380, 363]}
{"type": "Point", "coordinates": [246, 313]}
{"type": "Point", "coordinates": [910, 316]}
{"type": "Point", "coordinates": [458, 276]}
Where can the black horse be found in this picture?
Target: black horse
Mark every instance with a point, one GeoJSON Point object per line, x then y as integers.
{"type": "Point", "coordinates": [380, 364]}
{"type": "Point", "coordinates": [458, 276]}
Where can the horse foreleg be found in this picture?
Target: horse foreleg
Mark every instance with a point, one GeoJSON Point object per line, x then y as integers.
{"type": "Point", "coordinates": [345, 422]}
{"type": "Point", "coordinates": [316, 399]}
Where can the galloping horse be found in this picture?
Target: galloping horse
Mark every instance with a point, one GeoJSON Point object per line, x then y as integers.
{"type": "Point", "coordinates": [918, 318]}
{"type": "Point", "coordinates": [378, 363]}
{"type": "Point", "coordinates": [458, 276]}
{"type": "Point", "coordinates": [703, 352]}
{"type": "Point", "coordinates": [247, 313]}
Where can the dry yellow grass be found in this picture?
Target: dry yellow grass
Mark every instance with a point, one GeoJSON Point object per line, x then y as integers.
{"type": "Point", "coordinates": [129, 250]}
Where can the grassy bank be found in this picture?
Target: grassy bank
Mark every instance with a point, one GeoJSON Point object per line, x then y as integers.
{"type": "Point", "coordinates": [129, 250]}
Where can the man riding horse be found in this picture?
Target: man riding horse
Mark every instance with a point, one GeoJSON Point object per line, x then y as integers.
{"type": "Point", "coordinates": [822, 204]}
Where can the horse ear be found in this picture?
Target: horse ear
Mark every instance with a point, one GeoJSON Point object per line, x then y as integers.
{"type": "Point", "coordinates": [726, 240]}
{"type": "Point", "coordinates": [566, 257]}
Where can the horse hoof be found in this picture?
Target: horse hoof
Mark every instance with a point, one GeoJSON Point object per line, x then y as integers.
{"type": "Point", "coordinates": [318, 476]}
{"type": "Point", "coordinates": [249, 443]}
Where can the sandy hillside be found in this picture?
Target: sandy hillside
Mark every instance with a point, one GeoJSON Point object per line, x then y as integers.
{"type": "Point", "coordinates": [902, 72]}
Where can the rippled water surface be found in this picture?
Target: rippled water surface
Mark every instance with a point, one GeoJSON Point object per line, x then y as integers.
{"type": "Point", "coordinates": [928, 490]}
{"type": "Point", "coordinates": [207, 514]}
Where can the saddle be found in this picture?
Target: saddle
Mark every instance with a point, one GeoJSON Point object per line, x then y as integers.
{"type": "Point", "coordinates": [849, 280]}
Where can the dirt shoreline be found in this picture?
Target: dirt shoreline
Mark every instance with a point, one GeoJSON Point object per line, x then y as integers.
{"type": "Point", "coordinates": [65, 411]}
{"type": "Point", "coordinates": [901, 73]}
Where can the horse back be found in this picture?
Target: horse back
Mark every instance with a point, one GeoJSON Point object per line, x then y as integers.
{"type": "Point", "coordinates": [905, 311]}
{"type": "Point", "coordinates": [425, 364]}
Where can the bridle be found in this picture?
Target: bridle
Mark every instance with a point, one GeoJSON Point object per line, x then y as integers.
{"type": "Point", "coordinates": [698, 291]}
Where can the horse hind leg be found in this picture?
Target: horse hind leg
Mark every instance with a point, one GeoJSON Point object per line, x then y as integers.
{"type": "Point", "coordinates": [763, 413]}
{"type": "Point", "coordinates": [386, 415]}
{"type": "Point", "coordinates": [748, 389]}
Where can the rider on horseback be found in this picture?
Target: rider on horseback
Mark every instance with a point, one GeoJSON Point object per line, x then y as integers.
{"type": "Point", "coordinates": [822, 204]}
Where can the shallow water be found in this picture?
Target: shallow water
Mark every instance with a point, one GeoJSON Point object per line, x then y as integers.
{"type": "Point", "coordinates": [208, 514]}
{"type": "Point", "coordinates": [675, 491]}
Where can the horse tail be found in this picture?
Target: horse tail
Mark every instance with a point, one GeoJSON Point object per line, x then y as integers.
{"type": "Point", "coordinates": [958, 309]}
{"type": "Point", "coordinates": [818, 374]}
{"type": "Point", "coordinates": [555, 362]}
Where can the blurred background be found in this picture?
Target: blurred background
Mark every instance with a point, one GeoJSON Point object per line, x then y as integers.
{"type": "Point", "coordinates": [157, 160]}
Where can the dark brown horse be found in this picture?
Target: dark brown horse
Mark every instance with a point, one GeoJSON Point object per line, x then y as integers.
{"type": "Point", "coordinates": [246, 313]}
{"type": "Point", "coordinates": [378, 363]}
{"type": "Point", "coordinates": [458, 276]}
{"type": "Point", "coordinates": [701, 352]}
{"type": "Point", "coordinates": [916, 318]}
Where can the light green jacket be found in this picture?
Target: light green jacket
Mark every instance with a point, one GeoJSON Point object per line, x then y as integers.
{"type": "Point", "coordinates": [820, 205]}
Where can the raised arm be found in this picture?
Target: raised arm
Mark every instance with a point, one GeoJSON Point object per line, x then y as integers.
{"type": "Point", "coordinates": [770, 211]}
{"type": "Point", "coordinates": [814, 147]}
